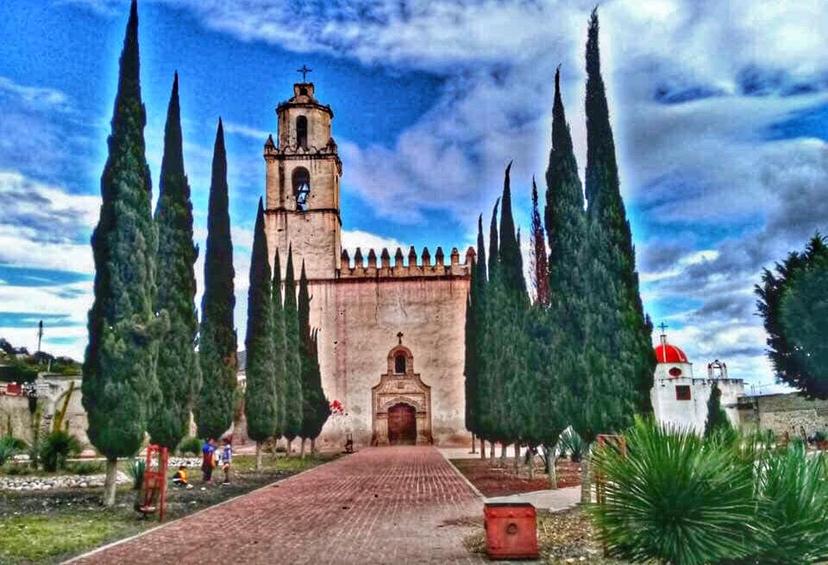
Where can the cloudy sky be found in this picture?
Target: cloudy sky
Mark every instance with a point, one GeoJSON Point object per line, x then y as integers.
{"type": "Point", "coordinates": [720, 111]}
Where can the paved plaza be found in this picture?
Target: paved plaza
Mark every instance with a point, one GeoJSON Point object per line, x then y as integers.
{"type": "Point", "coordinates": [380, 505]}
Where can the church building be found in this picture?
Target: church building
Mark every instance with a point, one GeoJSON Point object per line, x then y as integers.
{"type": "Point", "coordinates": [391, 322]}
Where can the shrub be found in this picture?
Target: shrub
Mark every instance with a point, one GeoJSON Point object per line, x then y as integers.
{"type": "Point", "coordinates": [792, 501]}
{"type": "Point", "coordinates": [56, 448]}
{"type": "Point", "coordinates": [86, 467]}
{"type": "Point", "coordinates": [675, 498]}
{"type": "Point", "coordinates": [9, 447]}
{"type": "Point", "coordinates": [135, 470]}
{"type": "Point", "coordinates": [189, 446]}
{"type": "Point", "coordinates": [571, 443]}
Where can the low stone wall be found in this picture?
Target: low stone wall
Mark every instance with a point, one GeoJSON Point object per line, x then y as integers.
{"type": "Point", "coordinates": [58, 482]}
{"type": "Point", "coordinates": [784, 413]}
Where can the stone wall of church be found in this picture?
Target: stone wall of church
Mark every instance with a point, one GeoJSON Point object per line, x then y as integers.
{"type": "Point", "coordinates": [359, 320]}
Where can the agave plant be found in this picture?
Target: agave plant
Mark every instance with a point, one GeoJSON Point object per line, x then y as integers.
{"type": "Point", "coordinates": [672, 497]}
{"type": "Point", "coordinates": [57, 448]}
{"type": "Point", "coordinates": [9, 447]}
{"type": "Point", "coordinates": [571, 443]}
{"type": "Point", "coordinates": [135, 470]}
{"type": "Point", "coordinates": [792, 496]}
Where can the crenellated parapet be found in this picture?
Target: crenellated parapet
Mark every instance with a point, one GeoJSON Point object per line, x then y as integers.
{"type": "Point", "coordinates": [386, 266]}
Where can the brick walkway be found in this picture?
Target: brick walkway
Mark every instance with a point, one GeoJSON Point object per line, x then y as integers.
{"type": "Point", "coordinates": [380, 505]}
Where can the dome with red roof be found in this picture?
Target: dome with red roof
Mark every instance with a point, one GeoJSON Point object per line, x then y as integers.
{"type": "Point", "coordinates": [666, 353]}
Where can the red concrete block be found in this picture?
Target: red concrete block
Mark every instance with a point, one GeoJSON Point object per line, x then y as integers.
{"type": "Point", "coordinates": [511, 530]}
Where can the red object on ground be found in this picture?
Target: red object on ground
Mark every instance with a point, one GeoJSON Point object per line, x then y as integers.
{"type": "Point", "coordinates": [14, 389]}
{"type": "Point", "coordinates": [511, 530]}
{"type": "Point", "coordinates": [154, 486]}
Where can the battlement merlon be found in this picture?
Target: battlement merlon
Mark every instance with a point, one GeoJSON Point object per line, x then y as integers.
{"type": "Point", "coordinates": [401, 269]}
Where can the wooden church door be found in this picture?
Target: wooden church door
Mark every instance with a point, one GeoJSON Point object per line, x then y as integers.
{"type": "Point", "coordinates": [402, 425]}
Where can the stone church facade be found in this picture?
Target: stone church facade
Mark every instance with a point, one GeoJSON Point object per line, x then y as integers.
{"type": "Point", "coordinates": [391, 323]}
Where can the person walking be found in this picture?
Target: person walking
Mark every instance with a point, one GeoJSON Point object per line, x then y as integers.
{"type": "Point", "coordinates": [227, 459]}
{"type": "Point", "coordinates": [208, 460]}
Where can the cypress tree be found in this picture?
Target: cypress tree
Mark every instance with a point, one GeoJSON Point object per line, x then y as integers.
{"type": "Point", "coordinates": [279, 345]}
{"type": "Point", "coordinates": [480, 392]}
{"type": "Point", "coordinates": [469, 363]}
{"type": "Point", "coordinates": [627, 331]}
{"type": "Point", "coordinates": [716, 416]}
{"type": "Point", "coordinates": [515, 411]}
{"type": "Point", "coordinates": [491, 391]}
{"type": "Point", "coordinates": [217, 336]}
{"type": "Point", "coordinates": [315, 407]}
{"type": "Point", "coordinates": [568, 387]}
{"type": "Point", "coordinates": [119, 387]}
{"type": "Point", "coordinates": [540, 260]}
{"type": "Point", "coordinates": [177, 368]}
{"type": "Point", "coordinates": [260, 403]}
{"type": "Point", "coordinates": [293, 357]}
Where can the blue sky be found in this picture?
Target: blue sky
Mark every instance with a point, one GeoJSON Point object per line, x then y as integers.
{"type": "Point", "coordinates": [719, 111]}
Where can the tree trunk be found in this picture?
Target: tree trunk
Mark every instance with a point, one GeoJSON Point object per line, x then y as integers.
{"type": "Point", "coordinates": [313, 446]}
{"type": "Point", "coordinates": [302, 449]}
{"type": "Point", "coordinates": [110, 483]}
{"type": "Point", "coordinates": [551, 465]}
{"type": "Point", "coordinates": [517, 459]}
{"type": "Point", "coordinates": [473, 444]}
{"type": "Point", "coordinates": [531, 458]}
{"type": "Point", "coordinates": [586, 478]}
{"type": "Point", "coordinates": [482, 449]}
{"type": "Point", "coordinates": [258, 456]}
{"type": "Point", "coordinates": [287, 447]}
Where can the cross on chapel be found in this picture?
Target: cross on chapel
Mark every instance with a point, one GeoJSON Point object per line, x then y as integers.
{"type": "Point", "coordinates": [399, 337]}
{"type": "Point", "coordinates": [304, 70]}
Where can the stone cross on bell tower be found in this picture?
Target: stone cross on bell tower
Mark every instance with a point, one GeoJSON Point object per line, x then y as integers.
{"type": "Point", "coordinates": [302, 184]}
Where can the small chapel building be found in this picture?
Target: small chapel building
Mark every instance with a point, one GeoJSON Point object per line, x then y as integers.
{"type": "Point", "coordinates": [391, 323]}
{"type": "Point", "coordinates": [680, 398]}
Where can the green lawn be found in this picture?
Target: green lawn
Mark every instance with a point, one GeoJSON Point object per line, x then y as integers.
{"type": "Point", "coordinates": [54, 525]}
{"type": "Point", "coordinates": [42, 538]}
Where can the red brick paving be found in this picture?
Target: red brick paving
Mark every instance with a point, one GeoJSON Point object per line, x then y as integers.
{"type": "Point", "coordinates": [380, 505]}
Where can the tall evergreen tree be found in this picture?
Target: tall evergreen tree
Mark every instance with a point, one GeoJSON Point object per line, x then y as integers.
{"type": "Point", "coordinates": [509, 302]}
{"type": "Point", "coordinates": [540, 259]}
{"type": "Point", "coordinates": [293, 357]}
{"type": "Point", "coordinates": [315, 407]}
{"type": "Point", "coordinates": [119, 381]}
{"type": "Point", "coordinates": [490, 387]}
{"type": "Point", "coordinates": [260, 403]}
{"type": "Point", "coordinates": [470, 358]}
{"type": "Point", "coordinates": [716, 416]}
{"type": "Point", "coordinates": [178, 372]}
{"type": "Point", "coordinates": [279, 352]}
{"type": "Point", "coordinates": [217, 336]}
{"type": "Point", "coordinates": [627, 331]}
{"type": "Point", "coordinates": [570, 386]}
{"type": "Point", "coordinates": [480, 393]}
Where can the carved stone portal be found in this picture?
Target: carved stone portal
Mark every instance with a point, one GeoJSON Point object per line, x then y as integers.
{"type": "Point", "coordinates": [400, 385]}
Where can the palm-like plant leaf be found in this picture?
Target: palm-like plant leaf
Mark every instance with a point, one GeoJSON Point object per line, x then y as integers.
{"type": "Point", "coordinates": [674, 498]}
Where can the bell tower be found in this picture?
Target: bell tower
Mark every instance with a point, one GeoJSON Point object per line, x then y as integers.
{"type": "Point", "coordinates": [302, 185]}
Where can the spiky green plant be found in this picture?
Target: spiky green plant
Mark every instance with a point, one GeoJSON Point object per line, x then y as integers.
{"type": "Point", "coordinates": [792, 495]}
{"type": "Point", "coordinates": [57, 448]}
{"type": "Point", "coordinates": [675, 498]}
{"type": "Point", "coordinates": [9, 447]}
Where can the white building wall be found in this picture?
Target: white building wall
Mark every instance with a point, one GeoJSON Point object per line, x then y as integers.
{"type": "Point", "coordinates": [692, 413]}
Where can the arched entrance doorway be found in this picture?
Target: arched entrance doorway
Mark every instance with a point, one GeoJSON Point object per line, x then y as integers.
{"type": "Point", "coordinates": [401, 403]}
{"type": "Point", "coordinates": [402, 424]}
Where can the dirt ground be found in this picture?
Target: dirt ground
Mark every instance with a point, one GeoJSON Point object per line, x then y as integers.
{"type": "Point", "coordinates": [500, 479]}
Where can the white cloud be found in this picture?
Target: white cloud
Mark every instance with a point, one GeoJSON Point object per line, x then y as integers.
{"type": "Point", "coordinates": [34, 95]}
{"type": "Point", "coordinates": [245, 131]}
